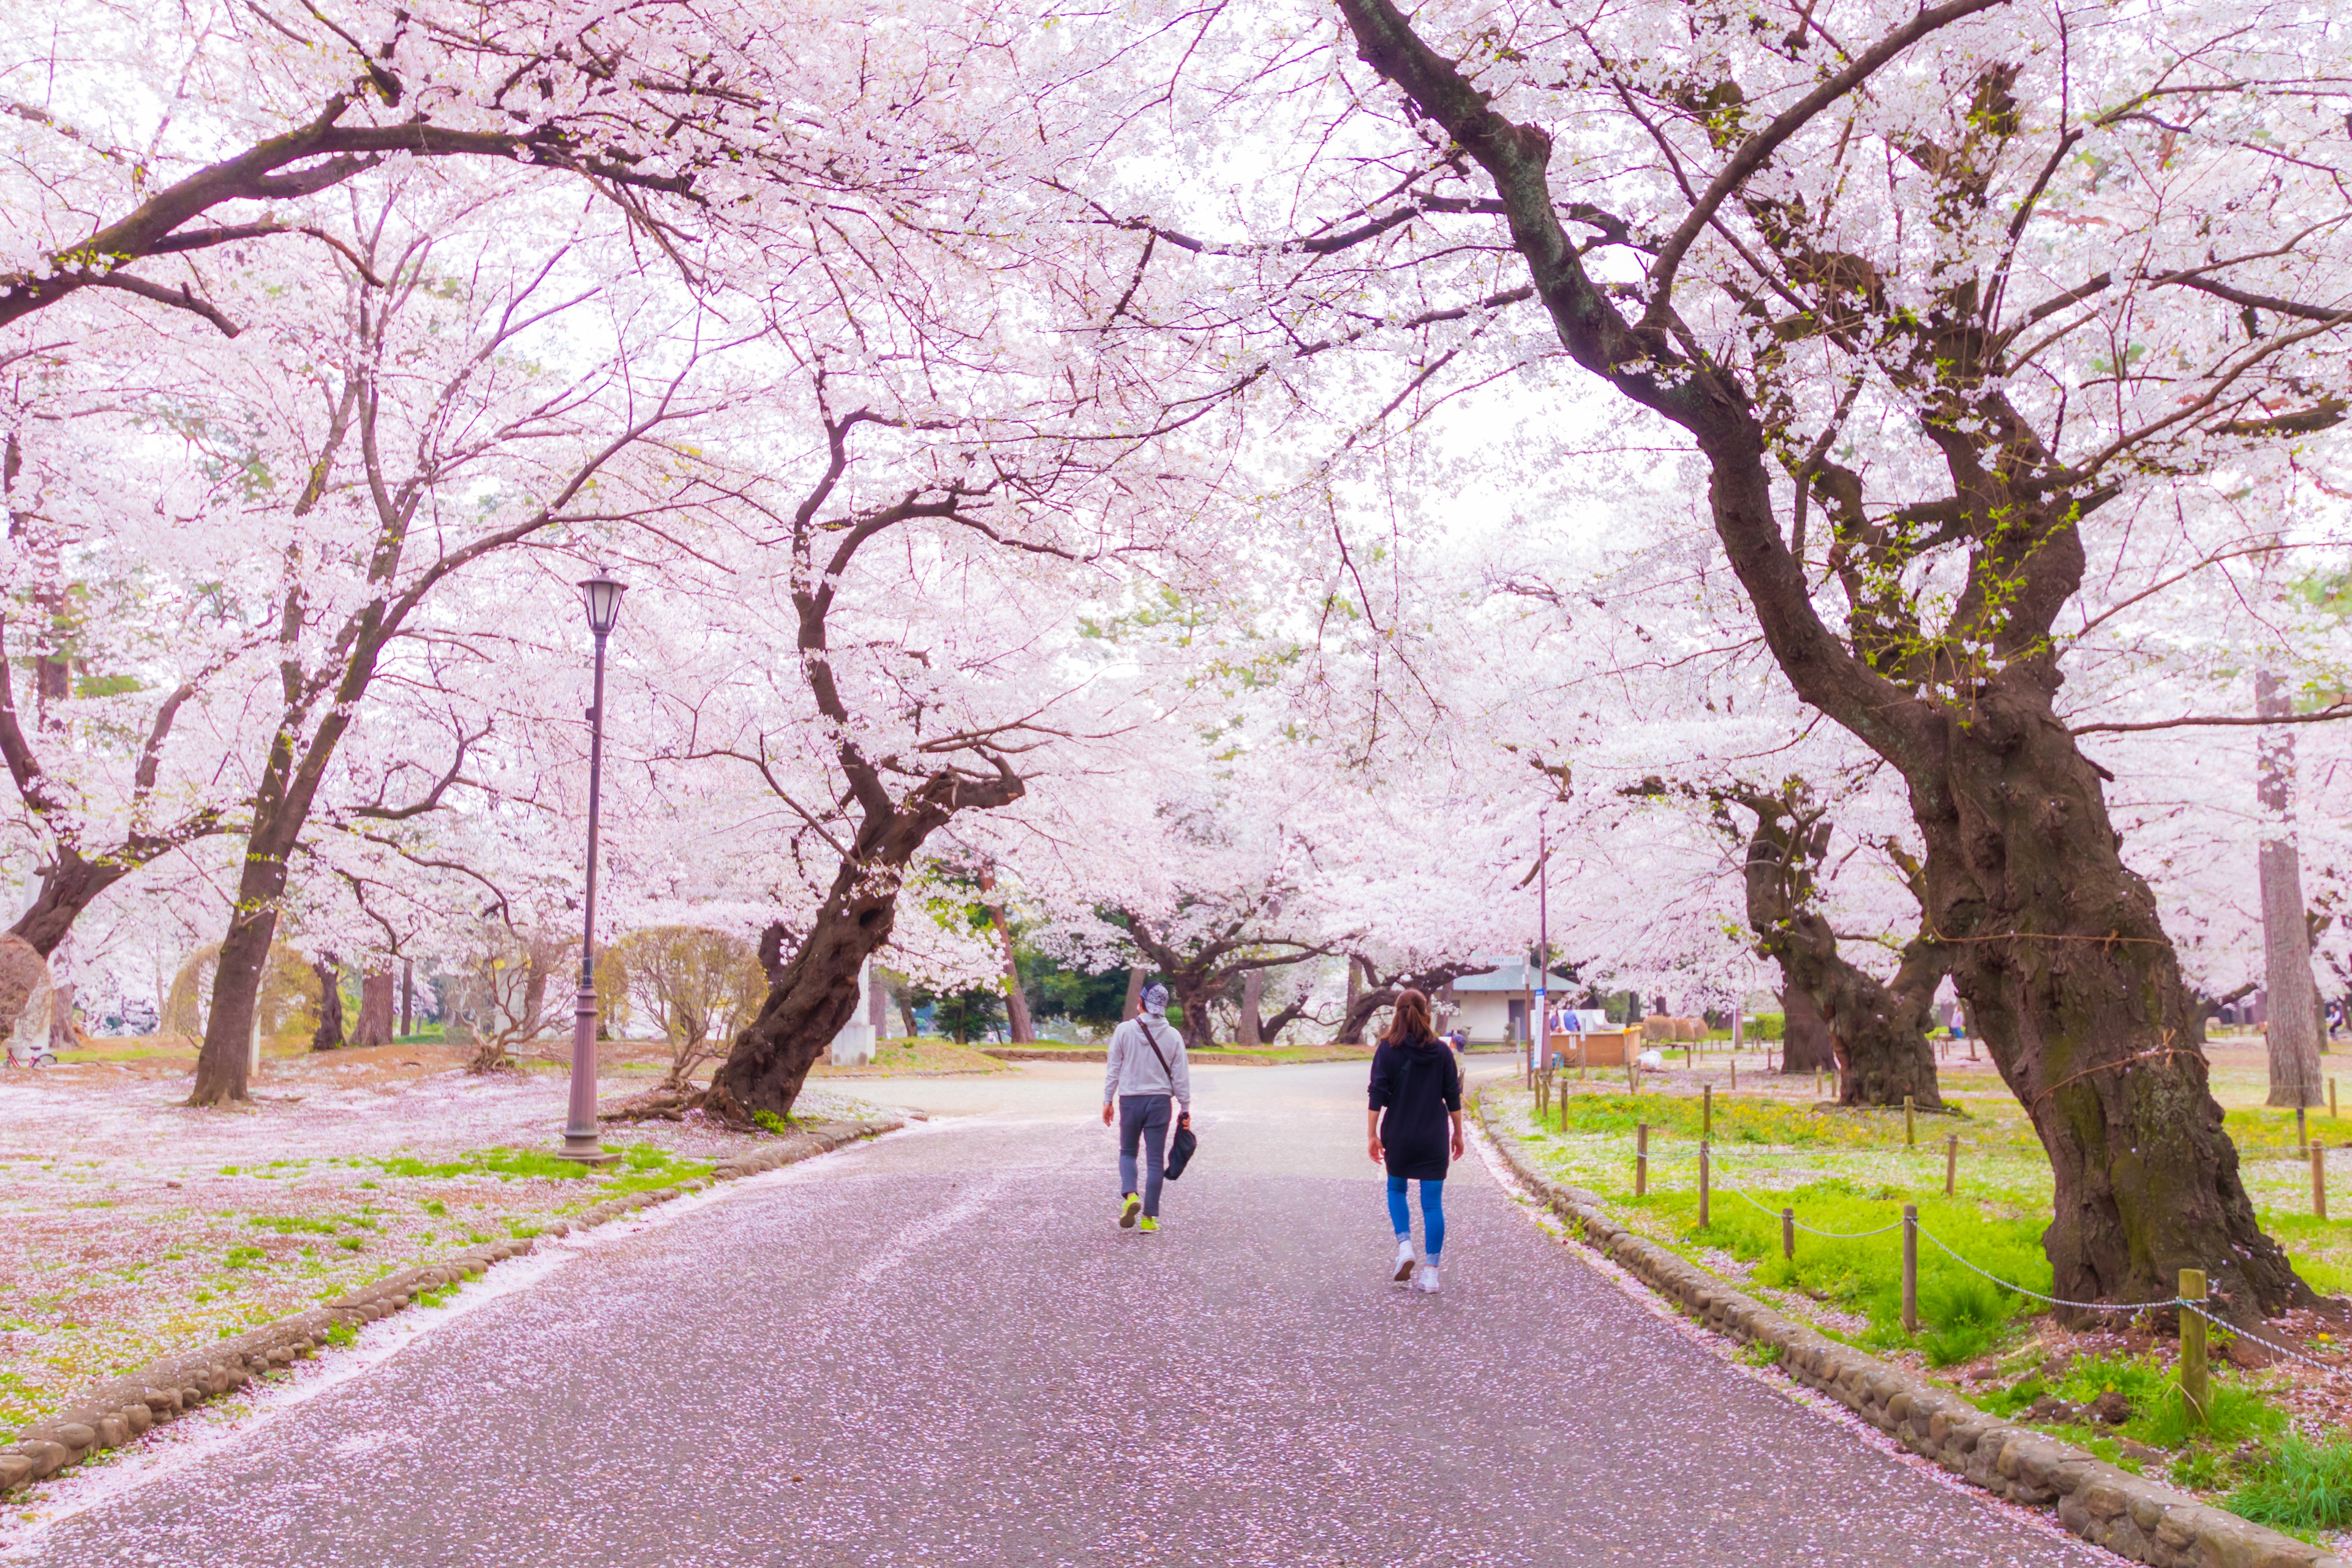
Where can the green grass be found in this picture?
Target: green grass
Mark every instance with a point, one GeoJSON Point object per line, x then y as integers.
{"type": "Point", "coordinates": [641, 1167]}
{"type": "Point", "coordinates": [2301, 1486]}
{"type": "Point", "coordinates": [1961, 1313]}
{"type": "Point", "coordinates": [1676, 1119]}
{"type": "Point", "coordinates": [773, 1122]}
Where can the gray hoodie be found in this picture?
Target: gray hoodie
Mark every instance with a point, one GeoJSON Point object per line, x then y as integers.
{"type": "Point", "coordinates": [1134, 1070]}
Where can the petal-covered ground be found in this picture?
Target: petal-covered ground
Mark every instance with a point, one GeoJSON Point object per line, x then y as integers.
{"type": "Point", "coordinates": [132, 1227]}
{"type": "Point", "coordinates": [939, 1348]}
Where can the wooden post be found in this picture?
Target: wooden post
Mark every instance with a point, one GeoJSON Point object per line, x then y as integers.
{"type": "Point", "coordinates": [1951, 1161]}
{"type": "Point", "coordinates": [2319, 1179]}
{"type": "Point", "coordinates": [1910, 1124]}
{"type": "Point", "coordinates": [1910, 1269]}
{"type": "Point", "coordinates": [2192, 1347]}
{"type": "Point", "coordinates": [1705, 1112]}
{"type": "Point", "coordinates": [1641, 1159]}
{"type": "Point", "coordinates": [1734, 1075]}
{"type": "Point", "coordinates": [1789, 1235]}
{"type": "Point", "coordinates": [1701, 1186]}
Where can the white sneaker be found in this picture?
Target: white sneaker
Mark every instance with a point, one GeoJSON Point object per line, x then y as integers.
{"type": "Point", "coordinates": [1404, 1261]}
{"type": "Point", "coordinates": [1427, 1283]}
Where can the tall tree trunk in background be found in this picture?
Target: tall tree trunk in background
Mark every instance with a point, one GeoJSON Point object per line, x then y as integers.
{"type": "Point", "coordinates": [905, 1010]}
{"type": "Point", "coordinates": [1804, 1034]}
{"type": "Point", "coordinates": [1245, 1032]}
{"type": "Point", "coordinates": [329, 1032]}
{"type": "Point", "coordinates": [1134, 1003]}
{"type": "Point", "coordinates": [407, 995]}
{"type": "Point", "coordinates": [2293, 999]}
{"type": "Point", "coordinates": [1356, 1012]}
{"type": "Point", "coordinates": [375, 1025]}
{"type": "Point", "coordinates": [1016, 1000]}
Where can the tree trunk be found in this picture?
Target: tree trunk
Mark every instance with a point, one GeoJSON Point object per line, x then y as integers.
{"type": "Point", "coordinates": [1878, 1032]}
{"type": "Point", "coordinates": [906, 1012]}
{"type": "Point", "coordinates": [329, 1032]}
{"type": "Point", "coordinates": [407, 995]}
{"type": "Point", "coordinates": [774, 939]}
{"type": "Point", "coordinates": [2068, 975]}
{"type": "Point", "coordinates": [2294, 1035]}
{"type": "Point", "coordinates": [375, 1025]}
{"type": "Point", "coordinates": [1245, 1032]}
{"type": "Point", "coordinates": [818, 992]}
{"type": "Point", "coordinates": [222, 1059]}
{"type": "Point", "coordinates": [1363, 1005]}
{"type": "Point", "coordinates": [1804, 1033]}
{"type": "Point", "coordinates": [1134, 1003]}
{"type": "Point", "coordinates": [1193, 992]}
{"type": "Point", "coordinates": [1017, 1001]}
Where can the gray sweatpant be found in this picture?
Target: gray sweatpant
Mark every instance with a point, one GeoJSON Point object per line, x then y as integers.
{"type": "Point", "coordinates": [1143, 1118]}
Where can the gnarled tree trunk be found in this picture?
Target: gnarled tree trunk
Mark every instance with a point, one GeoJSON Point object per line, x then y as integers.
{"type": "Point", "coordinates": [1878, 1031]}
{"type": "Point", "coordinates": [1805, 1045]}
{"type": "Point", "coordinates": [817, 992]}
{"type": "Point", "coordinates": [2058, 951]}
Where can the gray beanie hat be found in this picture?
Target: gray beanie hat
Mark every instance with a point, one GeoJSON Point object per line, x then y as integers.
{"type": "Point", "coordinates": [1155, 997]}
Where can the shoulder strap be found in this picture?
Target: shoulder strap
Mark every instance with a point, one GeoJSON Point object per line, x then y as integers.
{"type": "Point", "coordinates": [1153, 1041]}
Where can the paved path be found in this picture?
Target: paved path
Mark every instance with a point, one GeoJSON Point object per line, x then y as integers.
{"type": "Point", "coordinates": [938, 1349]}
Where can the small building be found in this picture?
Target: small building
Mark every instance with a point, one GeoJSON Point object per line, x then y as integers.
{"type": "Point", "coordinates": [1492, 1008]}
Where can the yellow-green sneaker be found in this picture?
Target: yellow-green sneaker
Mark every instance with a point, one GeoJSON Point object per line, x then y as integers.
{"type": "Point", "coordinates": [1128, 1207]}
{"type": "Point", "coordinates": [1148, 1225]}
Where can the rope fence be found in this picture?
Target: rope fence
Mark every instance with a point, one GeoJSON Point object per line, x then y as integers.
{"type": "Point", "coordinates": [2191, 1300]}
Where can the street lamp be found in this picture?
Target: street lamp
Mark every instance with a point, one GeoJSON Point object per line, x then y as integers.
{"type": "Point", "coordinates": [602, 595]}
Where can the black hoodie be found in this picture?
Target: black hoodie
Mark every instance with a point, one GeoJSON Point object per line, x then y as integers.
{"type": "Point", "coordinates": [1417, 1084]}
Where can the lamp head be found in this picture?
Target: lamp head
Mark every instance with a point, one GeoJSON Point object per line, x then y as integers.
{"type": "Point", "coordinates": [602, 595]}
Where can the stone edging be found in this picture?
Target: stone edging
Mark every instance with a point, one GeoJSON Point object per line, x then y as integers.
{"type": "Point", "coordinates": [118, 1410]}
{"type": "Point", "coordinates": [2128, 1514]}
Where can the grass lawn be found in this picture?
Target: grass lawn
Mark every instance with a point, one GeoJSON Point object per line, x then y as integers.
{"type": "Point", "coordinates": [1850, 1173]}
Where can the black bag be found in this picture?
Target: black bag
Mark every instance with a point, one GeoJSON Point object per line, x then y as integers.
{"type": "Point", "coordinates": [1182, 1145]}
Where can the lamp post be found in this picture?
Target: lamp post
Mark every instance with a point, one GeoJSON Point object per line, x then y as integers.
{"type": "Point", "coordinates": [1542, 1056]}
{"type": "Point", "coordinates": [601, 594]}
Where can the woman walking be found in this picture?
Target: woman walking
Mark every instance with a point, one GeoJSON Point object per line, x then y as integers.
{"type": "Point", "coordinates": [1415, 1128]}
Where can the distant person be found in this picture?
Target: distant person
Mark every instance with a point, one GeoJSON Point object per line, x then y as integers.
{"type": "Point", "coordinates": [1146, 1069]}
{"type": "Point", "coordinates": [1413, 1128]}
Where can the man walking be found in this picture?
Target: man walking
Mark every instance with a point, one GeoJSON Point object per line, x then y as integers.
{"type": "Point", "coordinates": [1146, 1069]}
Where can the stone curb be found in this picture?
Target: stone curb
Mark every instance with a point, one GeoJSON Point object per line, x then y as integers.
{"type": "Point", "coordinates": [117, 1412]}
{"type": "Point", "coordinates": [2128, 1515]}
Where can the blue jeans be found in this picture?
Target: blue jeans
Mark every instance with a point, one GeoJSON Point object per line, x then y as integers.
{"type": "Point", "coordinates": [1433, 1216]}
{"type": "Point", "coordinates": [1143, 1118]}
